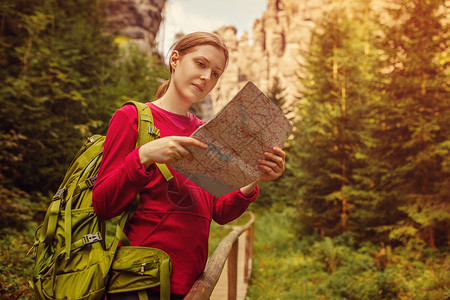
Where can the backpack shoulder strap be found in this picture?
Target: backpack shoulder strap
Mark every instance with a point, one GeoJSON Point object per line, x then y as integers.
{"type": "Point", "coordinates": [148, 132]}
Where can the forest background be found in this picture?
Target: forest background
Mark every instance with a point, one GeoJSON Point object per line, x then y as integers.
{"type": "Point", "coordinates": [362, 211]}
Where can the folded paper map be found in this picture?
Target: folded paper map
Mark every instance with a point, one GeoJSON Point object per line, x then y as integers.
{"type": "Point", "coordinates": [249, 125]}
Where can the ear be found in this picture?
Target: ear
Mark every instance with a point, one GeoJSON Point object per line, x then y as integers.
{"type": "Point", "coordinates": [174, 59]}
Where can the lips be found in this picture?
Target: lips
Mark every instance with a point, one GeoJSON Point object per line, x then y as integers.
{"type": "Point", "coordinates": [198, 87]}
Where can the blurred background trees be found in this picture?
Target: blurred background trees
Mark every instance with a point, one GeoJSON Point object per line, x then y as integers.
{"type": "Point", "coordinates": [368, 163]}
{"type": "Point", "coordinates": [370, 150]}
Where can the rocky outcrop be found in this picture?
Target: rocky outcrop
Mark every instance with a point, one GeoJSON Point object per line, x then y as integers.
{"type": "Point", "coordinates": [137, 20]}
{"type": "Point", "coordinates": [280, 38]}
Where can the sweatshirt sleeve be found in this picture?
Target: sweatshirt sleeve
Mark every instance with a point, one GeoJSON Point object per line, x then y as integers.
{"type": "Point", "coordinates": [121, 175]}
{"type": "Point", "coordinates": [231, 206]}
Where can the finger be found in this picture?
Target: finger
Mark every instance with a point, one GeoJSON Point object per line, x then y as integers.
{"type": "Point", "coordinates": [279, 151]}
{"type": "Point", "coordinates": [188, 141]}
{"type": "Point", "coordinates": [270, 166]}
{"type": "Point", "coordinates": [275, 158]}
{"type": "Point", "coordinates": [173, 160]}
{"type": "Point", "coordinates": [178, 150]}
{"type": "Point", "coordinates": [185, 153]}
{"type": "Point", "coordinates": [179, 153]}
{"type": "Point", "coordinates": [269, 174]}
{"type": "Point", "coordinates": [268, 163]}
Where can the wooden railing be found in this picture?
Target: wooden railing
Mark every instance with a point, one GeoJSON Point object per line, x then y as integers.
{"type": "Point", "coordinates": [227, 249]}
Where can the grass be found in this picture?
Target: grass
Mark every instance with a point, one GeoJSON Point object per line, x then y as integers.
{"type": "Point", "coordinates": [313, 267]}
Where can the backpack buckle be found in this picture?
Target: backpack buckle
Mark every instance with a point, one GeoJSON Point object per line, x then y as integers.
{"type": "Point", "coordinates": [152, 130]}
{"type": "Point", "coordinates": [91, 181]}
{"type": "Point", "coordinates": [92, 238]}
{"type": "Point", "coordinates": [60, 194]}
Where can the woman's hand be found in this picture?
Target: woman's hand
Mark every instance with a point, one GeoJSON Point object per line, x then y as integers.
{"type": "Point", "coordinates": [168, 150]}
{"type": "Point", "coordinates": [273, 166]}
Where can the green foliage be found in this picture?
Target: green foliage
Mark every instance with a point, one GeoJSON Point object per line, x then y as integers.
{"type": "Point", "coordinates": [134, 75]}
{"type": "Point", "coordinates": [323, 268]}
{"type": "Point", "coordinates": [329, 133]}
{"type": "Point", "coordinates": [372, 164]}
{"type": "Point", "coordinates": [410, 124]}
{"type": "Point", "coordinates": [15, 208]}
{"type": "Point", "coordinates": [15, 265]}
{"type": "Point", "coordinates": [63, 77]}
{"type": "Point", "coordinates": [50, 50]}
{"type": "Point", "coordinates": [369, 152]}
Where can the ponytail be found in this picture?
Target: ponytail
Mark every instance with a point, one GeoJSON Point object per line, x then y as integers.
{"type": "Point", "coordinates": [162, 89]}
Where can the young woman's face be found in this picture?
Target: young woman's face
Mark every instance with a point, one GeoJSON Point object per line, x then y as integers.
{"type": "Point", "coordinates": [196, 73]}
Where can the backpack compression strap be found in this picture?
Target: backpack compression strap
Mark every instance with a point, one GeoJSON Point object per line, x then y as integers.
{"type": "Point", "coordinates": [148, 132]}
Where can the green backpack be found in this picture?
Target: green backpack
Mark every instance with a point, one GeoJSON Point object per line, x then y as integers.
{"type": "Point", "coordinates": [72, 259]}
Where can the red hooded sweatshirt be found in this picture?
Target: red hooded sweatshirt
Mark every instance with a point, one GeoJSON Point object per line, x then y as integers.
{"type": "Point", "coordinates": [174, 215]}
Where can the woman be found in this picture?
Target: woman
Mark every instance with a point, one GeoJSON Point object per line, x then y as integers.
{"type": "Point", "coordinates": [173, 215]}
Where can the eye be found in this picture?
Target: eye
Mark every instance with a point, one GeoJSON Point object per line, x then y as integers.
{"type": "Point", "coordinates": [215, 74]}
{"type": "Point", "coordinates": [200, 64]}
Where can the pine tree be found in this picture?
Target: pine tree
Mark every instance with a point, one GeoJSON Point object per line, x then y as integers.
{"type": "Point", "coordinates": [329, 130]}
{"type": "Point", "coordinates": [277, 92]}
{"type": "Point", "coordinates": [412, 123]}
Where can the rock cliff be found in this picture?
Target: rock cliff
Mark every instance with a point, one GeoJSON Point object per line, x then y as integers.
{"type": "Point", "coordinates": [137, 20]}
{"type": "Point", "coordinates": [280, 38]}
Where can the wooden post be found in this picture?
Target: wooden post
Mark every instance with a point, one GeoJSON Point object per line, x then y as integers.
{"type": "Point", "coordinates": [248, 253]}
{"type": "Point", "coordinates": [252, 236]}
{"type": "Point", "coordinates": [232, 271]}
{"type": "Point", "coordinates": [227, 249]}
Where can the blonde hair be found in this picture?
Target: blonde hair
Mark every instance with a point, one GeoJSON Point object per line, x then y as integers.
{"type": "Point", "coordinates": [186, 44]}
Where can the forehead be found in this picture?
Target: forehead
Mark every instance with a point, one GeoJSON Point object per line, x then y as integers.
{"type": "Point", "coordinates": [213, 54]}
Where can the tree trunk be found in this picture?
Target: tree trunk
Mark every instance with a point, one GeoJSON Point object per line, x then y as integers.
{"type": "Point", "coordinates": [344, 214]}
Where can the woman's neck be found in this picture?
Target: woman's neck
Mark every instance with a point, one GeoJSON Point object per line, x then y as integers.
{"type": "Point", "coordinates": [167, 103]}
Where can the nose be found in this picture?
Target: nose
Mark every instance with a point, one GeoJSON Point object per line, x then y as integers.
{"type": "Point", "coordinates": [206, 75]}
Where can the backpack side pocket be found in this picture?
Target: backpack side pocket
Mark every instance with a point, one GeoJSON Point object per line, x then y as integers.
{"type": "Point", "coordinates": [139, 268]}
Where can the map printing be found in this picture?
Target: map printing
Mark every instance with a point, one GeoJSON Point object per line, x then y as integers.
{"type": "Point", "coordinates": [249, 125]}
